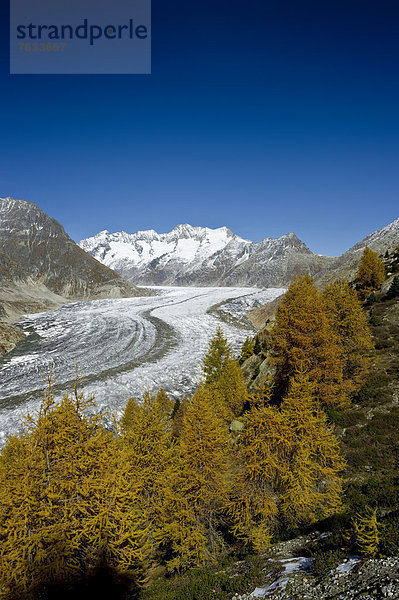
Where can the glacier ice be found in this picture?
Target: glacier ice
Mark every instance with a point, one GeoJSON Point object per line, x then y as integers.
{"type": "Point", "coordinates": [122, 347]}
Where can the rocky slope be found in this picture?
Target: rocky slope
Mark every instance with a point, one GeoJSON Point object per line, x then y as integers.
{"type": "Point", "coordinates": [380, 241]}
{"type": "Point", "coordinates": [201, 256]}
{"type": "Point", "coordinates": [39, 246]}
{"type": "Point", "coordinates": [369, 434]}
{"type": "Point", "coordinates": [352, 579]}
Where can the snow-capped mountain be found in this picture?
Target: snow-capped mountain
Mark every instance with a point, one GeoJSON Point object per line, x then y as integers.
{"type": "Point", "coordinates": [202, 256]}
{"type": "Point", "coordinates": [185, 245]}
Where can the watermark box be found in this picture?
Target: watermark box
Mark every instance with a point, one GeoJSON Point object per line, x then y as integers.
{"type": "Point", "coordinates": [80, 36]}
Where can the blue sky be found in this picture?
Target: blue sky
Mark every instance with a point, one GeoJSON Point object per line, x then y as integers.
{"type": "Point", "coordinates": [265, 116]}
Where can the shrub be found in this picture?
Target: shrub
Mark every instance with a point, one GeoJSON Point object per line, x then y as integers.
{"type": "Point", "coordinates": [347, 418]}
{"type": "Point", "coordinates": [206, 583]}
{"type": "Point", "coordinates": [371, 299]}
{"type": "Point", "coordinates": [377, 491]}
{"type": "Point", "coordinates": [374, 320]}
{"type": "Point", "coordinates": [389, 545]}
{"type": "Point", "coordinates": [372, 388]}
{"type": "Point", "coordinates": [393, 291]}
{"type": "Point", "coordinates": [326, 561]}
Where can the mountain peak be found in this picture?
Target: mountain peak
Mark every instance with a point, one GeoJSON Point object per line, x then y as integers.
{"type": "Point", "coordinates": [184, 228]}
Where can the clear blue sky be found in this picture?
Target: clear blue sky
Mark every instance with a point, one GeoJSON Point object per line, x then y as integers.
{"type": "Point", "coordinates": [265, 116]}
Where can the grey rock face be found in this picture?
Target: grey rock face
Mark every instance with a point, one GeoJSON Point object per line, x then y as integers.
{"type": "Point", "coordinates": [35, 244]}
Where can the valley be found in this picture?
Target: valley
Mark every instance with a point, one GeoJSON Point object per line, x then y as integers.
{"type": "Point", "coordinates": [122, 346]}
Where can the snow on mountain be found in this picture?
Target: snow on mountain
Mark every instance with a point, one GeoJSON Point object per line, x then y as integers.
{"type": "Point", "coordinates": [187, 244]}
{"type": "Point", "coordinates": [201, 256]}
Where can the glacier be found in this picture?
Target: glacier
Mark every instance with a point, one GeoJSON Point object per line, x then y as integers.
{"type": "Point", "coordinates": [122, 347]}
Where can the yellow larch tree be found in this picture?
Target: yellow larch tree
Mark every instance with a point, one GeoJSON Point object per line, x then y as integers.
{"type": "Point", "coordinates": [289, 469]}
{"type": "Point", "coordinates": [349, 322]}
{"type": "Point", "coordinates": [367, 532]}
{"type": "Point", "coordinates": [304, 338]}
{"type": "Point", "coordinates": [178, 417]}
{"type": "Point", "coordinates": [164, 402]}
{"type": "Point", "coordinates": [232, 388]}
{"type": "Point", "coordinates": [370, 273]}
{"type": "Point", "coordinates": [219, 351]}
{"type": "Point", "coordinates": [60, 509]}
{"type": "Point", "coordinates": [148, 459]}
{"type": "Point", "coordinates": [253, 503]}
{"type": "Point", "coordinates": [198, 490]}
{"type": "Point", "coordinates": [247, 349]}
{"type": "Point", "coordinates": [223, 375]}
{"type": "Point", "coordinates": [312, 485]}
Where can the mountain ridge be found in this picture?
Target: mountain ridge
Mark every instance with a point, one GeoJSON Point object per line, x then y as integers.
{"type": "Point", "coordinates": [220, 257]}
{"type": "Point", "coordinates": [193, 255]}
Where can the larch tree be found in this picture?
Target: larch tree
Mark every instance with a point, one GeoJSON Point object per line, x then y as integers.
{"type": "Point", "coordinates": [247, 349]}
{"type": "Point", "coordinates": [304, 339]}
{"type": "Point", "coordinates": [61, 511]}
{"type": "Point", "coordinates": [147, 458]}
{"type": "Point", "coordinates": [253, 503]}
{"type": "Point", "coordinates": [198, 490]}
{"type": "Point", "coordinates": [219, 351]}
{"type": "Point", "coordinates": [289, 467]}
{"type": "Point", "coordinates": [367, 533]}
{"type": "Point", "coordinates": [177, 423]}
{"type": "Point", "coordinates": [164, 402]}
{"type": "Point", "coordinates": [232, 388]}
{"type": "Point", "coordinates": [370, 273]}
{"type": "Point", "coordinates": [130, 416]}
{"type": "Point", "coordinates": [313, 483]}
{"type": "Point", "coordinates": [223, 375]}
{"type": "Point", "coordinates": [349, 322]}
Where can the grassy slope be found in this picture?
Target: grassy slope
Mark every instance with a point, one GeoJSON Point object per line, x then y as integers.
{"type": "Point", "coordinates": [370, 429]}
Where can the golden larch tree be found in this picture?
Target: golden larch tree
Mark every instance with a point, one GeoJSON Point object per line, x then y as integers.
{"type": "Point", "coordinates": [164, 402]}
{"type": "Point", "coordinates": [289, 470]}
{"type": "Point", "coordinates": [304, 339]}
{"type": "Point", "coordinates": [219, 351]}
{"type": "Point", "coordinates": [177, 424]}
{"type": "Point", "coordinates": [148, 459]}
{"type": "Point", "coordinates": [313, 483]}
{"type": "Point", "coordinates": [349, 322]}
{"type": "Point", "coordinates": [247, 349]}
{"type": "Point", "coordinates": [61, 508]}
{"type": "Point", "coordinates": [198, 490]}
{"type": "Point", "coordinates": [370, 273]}
{"type": "Point", "coordinates": [367, 532]}
{"type": "Point", "coordinates": [232, 388]}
